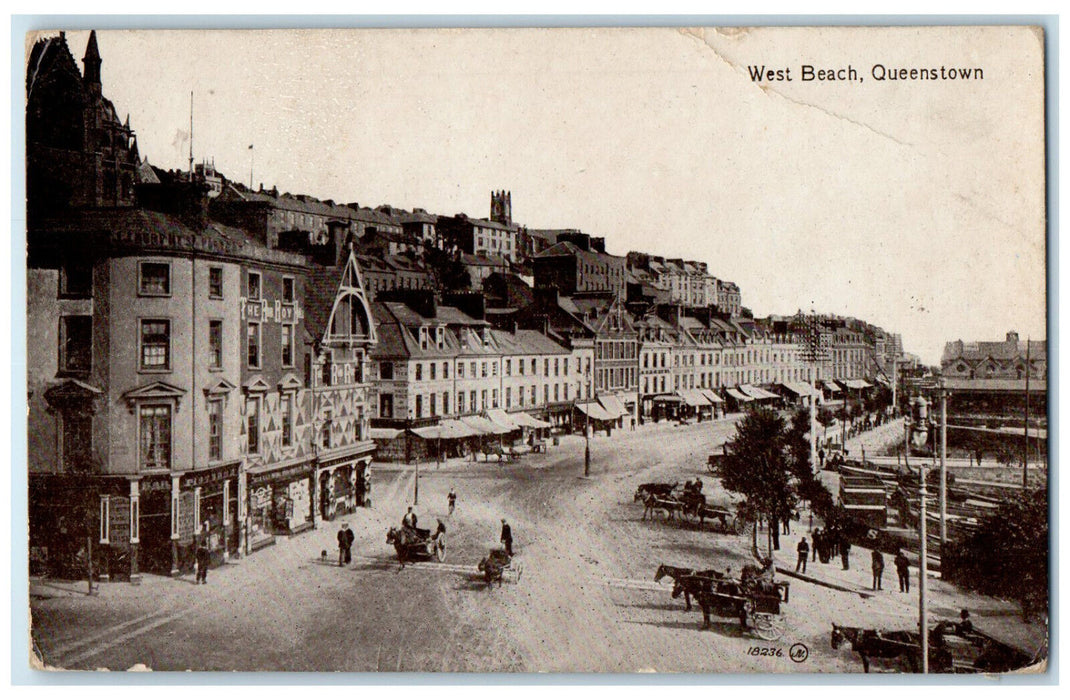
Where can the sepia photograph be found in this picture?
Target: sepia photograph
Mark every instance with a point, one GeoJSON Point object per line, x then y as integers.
{"type": "Point", "coordinates": [613, 350]}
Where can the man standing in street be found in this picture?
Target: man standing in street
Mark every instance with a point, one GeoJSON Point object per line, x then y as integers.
{"type": "Point", "coordinates": [845, 552]}
{"type": "Point", "coordinates": [804, 554]}
{"type": "Point", "coordinates": [878, 569]}
{"type": "Point", "coordinates": [349, 537]}
{"type": "Point", "coordinates": [203, 553]}
{"type": "Point", "coordinates": [342, 545]}
{"type": "Point", "coordinates": [902, 567]}
{"type": "Point", "coordinates": [452, 498]}
{"type": "Point", "coordinates": [507, 537]}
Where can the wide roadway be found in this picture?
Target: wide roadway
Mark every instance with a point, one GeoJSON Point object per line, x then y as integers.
{"type": "Point", "coordinates": [586, 601]}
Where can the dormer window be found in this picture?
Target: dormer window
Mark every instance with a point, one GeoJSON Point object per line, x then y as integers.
{"type": "Point", "coordinates": [440, 337]}
{"type": "Point", "coordinates": [423, 338]}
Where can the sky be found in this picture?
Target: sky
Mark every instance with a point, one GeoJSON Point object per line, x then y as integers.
{"type": "Point", "coordinates": [916, 206]}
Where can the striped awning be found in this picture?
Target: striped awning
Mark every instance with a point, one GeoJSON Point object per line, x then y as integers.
{"type": "Point", "coordinates": [711, 395]}
{"type": "Point", "coordinates": [529, 421]}
{"type": "Point", "coordinates": [738, 396]}
{"type": "Point", "coordinates": [484, 425]}
{"type": "Point", "coordinates": [502, 418]}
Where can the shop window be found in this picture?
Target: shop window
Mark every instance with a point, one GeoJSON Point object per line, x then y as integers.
{"type": "Point", "coordinates": [155, 429]}
{"type": "Point", "coordinates": [156, 344]}
{"type": "Point", "coordinates": [76, 344]}
{"type": "Point", "coordinates": [105, 519]}
{"type": "Point", "coordinates": [154, 279]}
{"type": "Point", "coordinates": [386, 405]}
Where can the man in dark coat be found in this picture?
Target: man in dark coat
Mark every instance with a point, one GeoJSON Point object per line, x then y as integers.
{"type": "Point", "coordinates": [804, 553]}
{"type": "Point", "coordinates": [342, 540]}
{"type": "Point", "coordinates": [902, 567]}
{"type": "Point", "coordinates": [349, 538]}
{"type": "Point", "coordinates": [845, 552]}
{"type": "Point", "coordinates": [203, 553]}
{"type": "Point", "coordinates": [878, 569]}
{"type": "Point", "coordinates": [507, 537]}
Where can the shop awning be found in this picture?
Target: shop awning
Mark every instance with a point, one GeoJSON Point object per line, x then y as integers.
{"type": "Point", "coordinates": [628, 397]}
{"type": "Point", "coordinates": [693, 398]}
{"type": "Point", "coordinates": [529, 421]}
{"type": "Point", "coordinates": [711, 395]}
{"type": "Point", "coordinates": [595, 410]}
{"type": "Point", "coordinates": [738, 396]}
{"type": "Point", "coordinates": [668, 398]}
{"type": "Point", "coordinates": [831, 387]}
{"type": "Point", "coordinates": [483, 425]}
{"type": "Point", "coordinates": [881, 379]}
{"type": "Point", "coordinates": [613, 406]}
{"type": "Point", "coordinates": [757, 392]}
{"type": "Point", "coordinates": [430, 432]}
{"type": "Point", "coordinates": [855, 383]}
{"type": "Point", "coordinates": [383, 433]}
{"type": "Point", "coordinates": [502, 418]}
{"type": "Point", "coordinates": [798, 388]}
{"type": "Point", "coordinates": [454, 429]}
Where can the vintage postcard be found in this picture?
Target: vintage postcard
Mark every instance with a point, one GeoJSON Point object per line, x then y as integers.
{"type": "Point", "coordinates": [677, 350]}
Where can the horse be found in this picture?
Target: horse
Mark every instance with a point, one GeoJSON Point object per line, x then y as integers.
{"type": "Point", "coordinates": [404, 538]}
{"type": "Point", "coordinates": [673, 571]}
{"type": "Point", "coordinates": [653, 503]}
{"type": "Point", "coordinates": [401, 538]}
{"type": "Point", "coordinates": [493, 566]}
{"type": "Point", "coordinates": [871, 643]}
{"type": "Point", "coordinates": [690, 585]}
{"type": "Point", "coordinates": [654, 489]}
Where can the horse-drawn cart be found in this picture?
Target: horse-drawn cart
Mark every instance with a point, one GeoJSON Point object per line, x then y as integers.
{"type": "Point", "coordinates": [417, 544]}
{"type": "Point", "coordinates": [499, 566]}
{"type": "Point", "coordinates": [756, 607]}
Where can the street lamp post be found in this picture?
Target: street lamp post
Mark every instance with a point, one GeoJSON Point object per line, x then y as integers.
{"type": "Point", "coordinates": [587, 427]}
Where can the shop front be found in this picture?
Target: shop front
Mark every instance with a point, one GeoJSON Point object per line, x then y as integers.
{"type": "Point", "coordinates": [279, 502]}
{"type": "Point", "coordinates": [215, 503]}
{"type": "Point", "coordinates": [344, 484]}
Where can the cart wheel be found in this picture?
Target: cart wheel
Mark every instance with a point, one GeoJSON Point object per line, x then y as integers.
{"type": "Point", "coordinates": [740, 525]}
{"type": "Point", "coordinates": [440, 551]}
{"type": "Point", "coordinates": [766, 628]}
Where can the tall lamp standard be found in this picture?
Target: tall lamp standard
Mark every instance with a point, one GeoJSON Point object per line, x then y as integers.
{"type": "Point", "coordinates": [587, 426]}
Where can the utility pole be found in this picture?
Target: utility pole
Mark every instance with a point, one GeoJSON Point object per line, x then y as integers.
{"type": "Point", "coordinates": [943, 466]}
{"type": "Point", "coordinates": [923, 572]}
{"type": "Point", "coordinates": [1025, 426]}
{"type": "Point", "coordinates": [587, 427]}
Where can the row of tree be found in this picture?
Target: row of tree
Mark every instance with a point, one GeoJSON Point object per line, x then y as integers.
{"type": "Point", "coordinates": [767, 462]}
